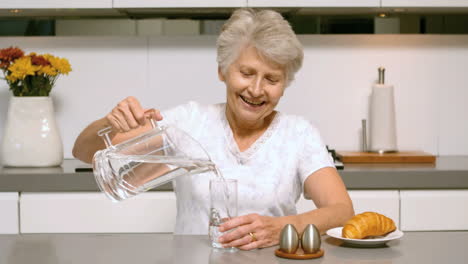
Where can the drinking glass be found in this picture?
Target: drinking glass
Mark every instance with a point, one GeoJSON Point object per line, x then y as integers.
{"type": "Point", "coordinates": [223, 206]}
{"type": "Point", "coordinates": [147, 161]}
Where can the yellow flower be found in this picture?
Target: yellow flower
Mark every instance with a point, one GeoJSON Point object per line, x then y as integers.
{"type": "Point", "coordinates": [48, 70]}
{"type": "Point", "coordinates": [21, 68]}
{"type": "Point", "coordinates": [60, 64]}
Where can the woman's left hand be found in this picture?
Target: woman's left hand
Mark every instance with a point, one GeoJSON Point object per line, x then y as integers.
{"type": "Point", "coordinates": [250, 231]}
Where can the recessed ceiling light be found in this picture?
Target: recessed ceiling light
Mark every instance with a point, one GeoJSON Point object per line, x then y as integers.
{"type": "Point", "coordinates": [15, 11]}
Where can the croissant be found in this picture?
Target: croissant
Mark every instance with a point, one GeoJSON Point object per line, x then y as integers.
{"type": "Point", "coordinates": [367, 224]}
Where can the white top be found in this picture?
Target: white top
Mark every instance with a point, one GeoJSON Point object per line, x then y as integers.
{"type": "Point", "coordinates": [270, 173]}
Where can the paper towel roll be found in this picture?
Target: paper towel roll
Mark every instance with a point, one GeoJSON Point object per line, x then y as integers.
{"type": "Point", "coordinates": [382, 127]}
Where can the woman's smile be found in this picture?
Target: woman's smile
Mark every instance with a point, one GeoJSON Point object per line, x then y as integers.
{"type": "Point", "coordinates": [255, 103]}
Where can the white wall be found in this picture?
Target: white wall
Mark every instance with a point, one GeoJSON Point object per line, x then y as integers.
{"type": "Point", "coordinates": [429, 73]}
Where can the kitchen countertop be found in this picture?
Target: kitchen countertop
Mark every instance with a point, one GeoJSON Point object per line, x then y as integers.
{"type": "Point", "coordinates": [414, 247]}
{"type": "Point", "coordinates": [449, 172]}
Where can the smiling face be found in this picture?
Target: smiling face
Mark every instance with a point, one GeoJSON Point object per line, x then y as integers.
{"type": "Point", "coordinates": [254, 87]}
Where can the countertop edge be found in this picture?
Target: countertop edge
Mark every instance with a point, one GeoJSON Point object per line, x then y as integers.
{"type": "Point", "coordinates": [450, 172]}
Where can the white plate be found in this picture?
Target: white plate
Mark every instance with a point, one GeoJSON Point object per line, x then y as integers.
{"type": "Point", "coordinates": [368, 242]}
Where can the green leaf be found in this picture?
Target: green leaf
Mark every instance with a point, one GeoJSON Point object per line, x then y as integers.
{"type": "Point", "coordinates": [39, 85]}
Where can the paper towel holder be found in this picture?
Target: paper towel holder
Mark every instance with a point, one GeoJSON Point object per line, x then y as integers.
{"type": "Point", "coordinates": [381, 141]}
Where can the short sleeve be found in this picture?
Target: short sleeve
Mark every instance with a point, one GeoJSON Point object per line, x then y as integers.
{"type": "Point", "coordinates": [314, 154]}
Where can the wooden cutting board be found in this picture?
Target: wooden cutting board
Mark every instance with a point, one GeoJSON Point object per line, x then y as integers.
{"type": "Point", "coordinates": [396, 157]}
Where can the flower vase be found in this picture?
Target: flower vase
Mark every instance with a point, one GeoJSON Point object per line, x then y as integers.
{"type": "Point", "coordinates": [31, 137]}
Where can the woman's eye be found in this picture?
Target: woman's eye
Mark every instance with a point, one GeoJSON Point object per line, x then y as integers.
{"type": "Point", "coordinates": [246, 74]}
{"type": "Point", "coordinates": [271, 80]}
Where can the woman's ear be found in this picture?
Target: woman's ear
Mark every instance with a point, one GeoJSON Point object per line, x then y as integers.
{"type": "Point", "coordinates": [220, 74]}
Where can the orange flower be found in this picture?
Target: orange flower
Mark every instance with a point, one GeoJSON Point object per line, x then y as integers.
{"type": "Point", "coordinates": [39, 60]}
{"type": "Point", "coordinates": [8, 55]}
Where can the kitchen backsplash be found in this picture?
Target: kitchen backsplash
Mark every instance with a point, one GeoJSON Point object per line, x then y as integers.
{"type": "Point", "coordinates": [429, 73]}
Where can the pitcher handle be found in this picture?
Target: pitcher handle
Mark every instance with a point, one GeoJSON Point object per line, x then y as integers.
{"type": "Point", "coordinates": [104, 133]}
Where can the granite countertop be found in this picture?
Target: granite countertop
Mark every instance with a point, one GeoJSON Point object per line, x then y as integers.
{"type": "Point", "coordinates": [413, 247]}
{"type": "Point", "coordinates": [449, 172]}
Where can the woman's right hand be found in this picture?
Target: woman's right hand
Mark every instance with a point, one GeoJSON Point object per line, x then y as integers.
{"type": "Point", "coordinates": [129, 115]}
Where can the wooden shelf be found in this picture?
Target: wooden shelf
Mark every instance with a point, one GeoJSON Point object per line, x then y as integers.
{"type": "Point", "coordinates": [395, 157]}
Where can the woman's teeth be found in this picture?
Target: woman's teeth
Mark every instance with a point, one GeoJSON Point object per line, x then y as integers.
{"type": "Point", "coordinates": [252, 103]}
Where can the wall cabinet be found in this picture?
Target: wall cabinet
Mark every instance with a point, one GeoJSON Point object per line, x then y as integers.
{"type": "Point", "coordinates": [313, 3]}
{"type": "Point", "coordinates": [384, 202]}
{"type": "Point", "coordinates": [9, 213]}
{"type": "Point", "coordinates": [150, 212]}
{"type": "Point", "coordinates": [178, 3]}
{"type": "Point", "coordinates": [55, 4]}
{"type": "Point", "coordinates": [424, 3]}
{"type": "Point", "coordinates": [434, 210]}
{"type": "Point", "coordinates": [108, 4]}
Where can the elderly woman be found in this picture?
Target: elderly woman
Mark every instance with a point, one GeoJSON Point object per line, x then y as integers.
{"type": "Point", "coordinates": [275, 157]}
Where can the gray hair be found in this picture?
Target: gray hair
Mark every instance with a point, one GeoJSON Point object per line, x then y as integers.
{"type": "Point", "coordinates": [268, 32]}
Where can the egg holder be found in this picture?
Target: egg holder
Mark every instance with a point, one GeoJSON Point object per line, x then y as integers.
{"type": "Point", "coordinates": [310, 242]}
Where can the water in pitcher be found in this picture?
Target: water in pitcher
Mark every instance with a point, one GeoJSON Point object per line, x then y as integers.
{"type": "Point", "coordinates": [123, 176]}
{"type": "Point", "coordinates": [139, 173]}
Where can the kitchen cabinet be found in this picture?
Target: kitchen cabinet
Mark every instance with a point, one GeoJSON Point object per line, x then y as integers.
{"type": "Point", "coordinates": [155, 212]}
{"type": "Point", "coordinates": [313, 3]}
{"type": "Point", "coordinates": [434, 210]}
{"type": "Point", "coordinates": [177, 3]}
{"type": "Point", "coordinates": [9, 215]}
{"type": "Point", "coordinates": [386, 202]}
{"type": "Point", "coordinates": [28, 4]}
{"type": "Point", "coordinates": [150, 212]}
{"type": "Point", "coordinates": [424, 3]}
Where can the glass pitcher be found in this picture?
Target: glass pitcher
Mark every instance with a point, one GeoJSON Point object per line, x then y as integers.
{"type": "Point", "coordinates": [147, 161]}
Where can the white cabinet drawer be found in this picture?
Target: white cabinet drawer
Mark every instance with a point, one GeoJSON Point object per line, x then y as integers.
{"type": "Point", "coordinates": [434, 210]}
{"type": "Point", "coordinates": [178, 3]}
{"type": "Point", "coordinates": [314, 3]}
{"type": "Point", "coordinates": [9, 215]}
{"type": "Point", "coordinates": [424, 3]}
{"type": "Point", "coordinates": [94, 213]}
{"type": "Point", "coordinates": [28, 4]}
{"type": "Point", "coordinates": [383, 202]}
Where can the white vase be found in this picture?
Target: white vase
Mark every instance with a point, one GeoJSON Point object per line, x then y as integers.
{"type": "Point", "coordinates": [31, 137]}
